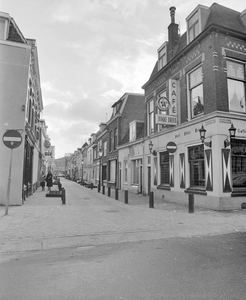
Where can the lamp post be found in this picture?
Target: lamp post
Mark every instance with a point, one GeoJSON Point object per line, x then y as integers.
{"type": "Point", "coordinates": [100, 163]}
{"type": "Point", "coordinates": [232, 135]}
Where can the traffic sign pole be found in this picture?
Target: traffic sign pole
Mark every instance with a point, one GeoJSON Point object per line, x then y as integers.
{"type": "Point", "coordinates": [11, 139]}
{"type": "Point", "coordinates": [9, 182]}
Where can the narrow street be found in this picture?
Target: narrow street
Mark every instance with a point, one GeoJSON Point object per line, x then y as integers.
{"type": "Point", "coordinates": [96, 247]}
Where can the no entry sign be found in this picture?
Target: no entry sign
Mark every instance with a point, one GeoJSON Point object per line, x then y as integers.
{"type": "Point", "coordinates": [171, 147]}
{"type": "Point", "coordinates": [12, 139]}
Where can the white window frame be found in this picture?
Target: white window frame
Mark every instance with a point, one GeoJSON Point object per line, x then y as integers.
{"type": "Point", "coordinates": [190, 89]}
{"type": "Point", "coordinates": [236, 94]}
{"type": "Point", "coordinates": [132, 131]}
{"type": "Point", "coordinates": [151, 116]}
{"type": "Point", "coordinates": [162, 56]}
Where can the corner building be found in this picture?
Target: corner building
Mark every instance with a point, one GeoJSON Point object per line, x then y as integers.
{"type": "Point", "coordinates": [199, 82]}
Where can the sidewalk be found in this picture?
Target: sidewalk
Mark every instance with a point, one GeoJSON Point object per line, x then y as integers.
{"type": "Point", "coordinates": [90, 218]}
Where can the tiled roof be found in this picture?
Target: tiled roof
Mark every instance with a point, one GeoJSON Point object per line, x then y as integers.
{"type": "Point", "coordinates": [225, 17]}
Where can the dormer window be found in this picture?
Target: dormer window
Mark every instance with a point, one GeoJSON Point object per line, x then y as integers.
{"type": "Point", "coordinates": [3, 25]}
{"type": "Point", "coordinates": [162, 56]}
{"type": "Point", "coordinates": [132, 131]}
{"type": "Point", "coordinates": [193, 27]}
{"type": "Point", "coordinates": [196, 22]}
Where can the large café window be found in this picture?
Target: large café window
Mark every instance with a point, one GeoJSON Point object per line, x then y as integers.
{"type": "Point", "coordinates": [197, 169]}
{"type": "Point", "coordinates": [238, 163]}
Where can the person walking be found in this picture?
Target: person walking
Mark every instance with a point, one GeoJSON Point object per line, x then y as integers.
{"type": "Point", "coordinates": [49, 180]}
{"type": "Point", "coordinates": [42, 179]}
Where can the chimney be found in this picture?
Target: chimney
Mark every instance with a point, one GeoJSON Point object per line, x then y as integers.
{"type": "Point", "coordinates": [173, 32]}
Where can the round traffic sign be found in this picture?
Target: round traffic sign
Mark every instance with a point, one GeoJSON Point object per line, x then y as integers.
{"type": "Point", "coordinates": [171, 147]}
{"type": "Point", "coordinates": [12, 139]}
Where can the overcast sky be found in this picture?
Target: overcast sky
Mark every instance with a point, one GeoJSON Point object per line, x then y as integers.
{"type": "Point", "coordinates": [91, 52]}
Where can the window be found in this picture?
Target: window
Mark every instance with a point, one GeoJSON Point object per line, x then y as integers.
{"type": "Point", "coordinates": [3, 29]}
{"type": "Point", "coordinates": [135, 171]}
{"type": "Point", "coordinates": [115, 138]}
{"type": "Point", "coordinates": [196, 93]}
{"type": "Point", "coordinates": [162, 56]}
{"type": "Point", "coordinates": [151, 116]}
{"type": "Point", "coordinates": [104, 172]}
{"type": "Point", "coordinates": [112, 170]}
{"type": "Point", "coordinates": [238, 163]}
{"type": "Point", "coordinates": [193, 27]}
{"type": "Point", "coordinates": [105, 148]}
{"type": "Point", "coordinates": [132, 131]}
{"type": "Point", "coordinates": [164, 167]}
{"type": "Point", "coordinates": [125, 171]}
{"type": "Point", "coordinates": [236, 80]}
{"type": "Point", "coordinates": [197, 169]}
{"type": "Point", "coordinates": [110, 141]}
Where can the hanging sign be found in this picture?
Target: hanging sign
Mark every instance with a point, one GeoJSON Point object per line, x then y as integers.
{"type": "Point", "coordinates": [173, 97]}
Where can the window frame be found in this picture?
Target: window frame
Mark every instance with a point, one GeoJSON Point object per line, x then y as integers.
{"type": "Point", "coordinates": [192, 87]}
{"type": "Point", "coordinates": [151, 117]}
{"type": "Point", "coordinates": [164, 164]}
{"type": "Point", "coordinates": [236, 79]}
{"type": "Point", "coordinates": [200, 162]}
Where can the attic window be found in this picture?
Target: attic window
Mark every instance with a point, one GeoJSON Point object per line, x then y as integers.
{"type": "Point", "coordinates": [3, 29]}
{"type": "Point", "coordinates": [193, 26]}
{"type": "Point", "coordinates": [162, 56]}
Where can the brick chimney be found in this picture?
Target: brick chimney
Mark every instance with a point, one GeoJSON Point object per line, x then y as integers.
{"type": "Point", "coordinates": [173, 32]}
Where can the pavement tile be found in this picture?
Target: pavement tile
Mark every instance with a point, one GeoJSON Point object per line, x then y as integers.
{"type": "Point", "coordinates": [90, 218]}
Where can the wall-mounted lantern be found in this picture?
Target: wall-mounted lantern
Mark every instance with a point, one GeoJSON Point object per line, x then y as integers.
{"type": "Point", "coordinates": [151, 145]}
{"type": "Point", "coordinates": [232, 134]}
{"type": "Point", "coordinates": [202, 137]}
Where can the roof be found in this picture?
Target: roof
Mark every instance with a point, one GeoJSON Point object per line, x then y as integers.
{"type": "Point", "coordinates": [219, 16]}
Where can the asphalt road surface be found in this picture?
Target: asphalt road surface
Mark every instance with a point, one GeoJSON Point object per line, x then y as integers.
{"type": "Point", "coordinates": [208, 267]}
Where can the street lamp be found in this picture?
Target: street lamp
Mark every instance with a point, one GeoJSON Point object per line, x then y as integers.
{"type": "Point", "coordinates": [202, 137]}
{"type": "Point", "coordinates": [100, 157]}
{"type": "Point", "coordinates": [232, 134]}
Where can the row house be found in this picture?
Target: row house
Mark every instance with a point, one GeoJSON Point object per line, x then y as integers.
{"type": "Point", "coordinates": [186, 135]}
{"type": "Point", "coordinates": [20, 108]}
{"type": "Point", "coordinates": [195, 100]}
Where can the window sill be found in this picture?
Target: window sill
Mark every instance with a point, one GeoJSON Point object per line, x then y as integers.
{"type": "Point", "coordinates": [196, 191]}
{"type": "Point", "coordinates": [164, 187]}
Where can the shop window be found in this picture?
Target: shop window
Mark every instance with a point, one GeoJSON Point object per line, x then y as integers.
{"type": "Point", "coordinates": [135, 171]}
{"type": "Point", "coordinates": [151, 116]}
{"type": "Point", "coordinates": [125, 171]}
{"type": "Point", "coordinates": [197, 166]}
{"type": "Point", "coordinates": [238, 163]}
{"type": "Point", "coordinates": [104, 172]}
{"type": "Point", "coordinates": [236, 86]}
{"type": "Point", "coordinates": [112, 170]}
{"type": "Point", "coordinates": [164, 168]}
{"type": "Point", "coordinates": [196, 93]}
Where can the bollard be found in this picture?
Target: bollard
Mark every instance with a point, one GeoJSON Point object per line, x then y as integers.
{"type": "Point", "coordinates": [103, 190]}
{"type": "Point", "coordinates": [126, 197]}
{"type": "Point", "coordinates": [116, 194]}
{"type": "Point", "coordinates": [151, 200]}
{"type": "Point", "coordinates": [98, 188]}
{"type": "Point", "coordinates": [91, 186]}
{"type": "Point", "coordinates": [109, 191]}
{"type": "Point", "coordinates": [63, 196]}
{"type": "Point", "coordinates": [191, 203]}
